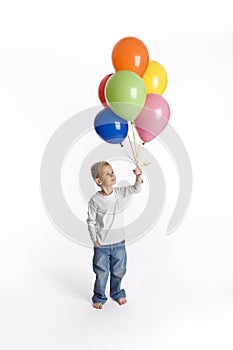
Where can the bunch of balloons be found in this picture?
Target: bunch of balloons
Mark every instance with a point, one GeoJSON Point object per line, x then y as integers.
{"type": "Point", "coordinates": [132, 95]}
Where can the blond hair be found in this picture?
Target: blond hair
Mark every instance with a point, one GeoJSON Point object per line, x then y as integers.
{"type": "Point", "coordinates": [95, 168]}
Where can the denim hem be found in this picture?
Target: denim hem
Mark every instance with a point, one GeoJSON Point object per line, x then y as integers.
{"type": "Point", "coordinates": [119, 296]}
{"type": "Point", "coordinates": [96, 300]}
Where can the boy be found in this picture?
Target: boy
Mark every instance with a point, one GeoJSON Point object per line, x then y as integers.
{"type": "Point", "coordinates": [105, 225]}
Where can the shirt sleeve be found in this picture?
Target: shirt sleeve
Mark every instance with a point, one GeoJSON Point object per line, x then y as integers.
{"type": "Point", "coordinates": [131, 189]}
{"type": "Point", "coordinates": [91, 220]}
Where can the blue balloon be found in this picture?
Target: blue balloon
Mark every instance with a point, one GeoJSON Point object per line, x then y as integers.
{"type": "Point", "coordinates": [110, 127]}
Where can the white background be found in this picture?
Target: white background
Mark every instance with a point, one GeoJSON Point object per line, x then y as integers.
{"type": "Point", "coordinates": [53, 55]}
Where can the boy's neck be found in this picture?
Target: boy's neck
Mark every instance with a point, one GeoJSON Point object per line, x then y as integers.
{"type": "Point", "coordinates": [105, 191]}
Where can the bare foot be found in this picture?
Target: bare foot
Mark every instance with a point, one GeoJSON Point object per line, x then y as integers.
{"type": "Point", "coordinates": [122, 301]}
{"type": "Point", "coordinates": [98, 305]}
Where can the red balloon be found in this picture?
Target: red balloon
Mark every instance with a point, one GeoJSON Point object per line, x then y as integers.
{"type": "Point", "coordinates": [101, 90]}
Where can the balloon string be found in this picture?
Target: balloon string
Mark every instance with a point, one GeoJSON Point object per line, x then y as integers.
{"type": "Point", "coordinates": [139, 146]}
{"type": "Point", "coordinates": [129, 157]}
{"type": "Point", "coordinates": [134, 142]}
{"type": "Point", "coordinates": [132, 150]}
{"type": "Point", "coordinates": [137, 151]}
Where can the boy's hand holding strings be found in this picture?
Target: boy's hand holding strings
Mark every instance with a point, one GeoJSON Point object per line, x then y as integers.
{"type": "Point", "coordinates": [138, 172]}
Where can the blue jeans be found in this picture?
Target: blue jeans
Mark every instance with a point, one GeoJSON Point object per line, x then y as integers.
{"type": "Point", "coordinates": [110, 258]}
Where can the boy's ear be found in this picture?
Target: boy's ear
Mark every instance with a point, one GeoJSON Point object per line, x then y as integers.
{"type": "Point", "coordinates": [98, 181]}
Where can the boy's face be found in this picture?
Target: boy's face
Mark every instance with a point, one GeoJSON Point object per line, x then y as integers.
{"type": "Point", "coordinates": [106, 176]}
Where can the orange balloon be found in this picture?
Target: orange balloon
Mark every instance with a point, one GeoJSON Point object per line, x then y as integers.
{"type": "Point", "coordinates": [130, 53]}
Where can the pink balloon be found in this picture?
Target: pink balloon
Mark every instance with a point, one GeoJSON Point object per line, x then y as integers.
{"type": "Point", "coordinates": [153, 118]}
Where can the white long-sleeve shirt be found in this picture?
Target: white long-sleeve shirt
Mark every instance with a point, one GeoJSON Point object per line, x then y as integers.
{"type": "Point", "coordinates": [105, 214]}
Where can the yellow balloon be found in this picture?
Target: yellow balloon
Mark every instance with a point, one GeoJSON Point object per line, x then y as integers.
{"type": "Point", "coordinates": [155, 78]}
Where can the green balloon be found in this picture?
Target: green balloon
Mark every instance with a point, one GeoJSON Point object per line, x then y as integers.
{"type": "Point", "coordinates": [126, 94]}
